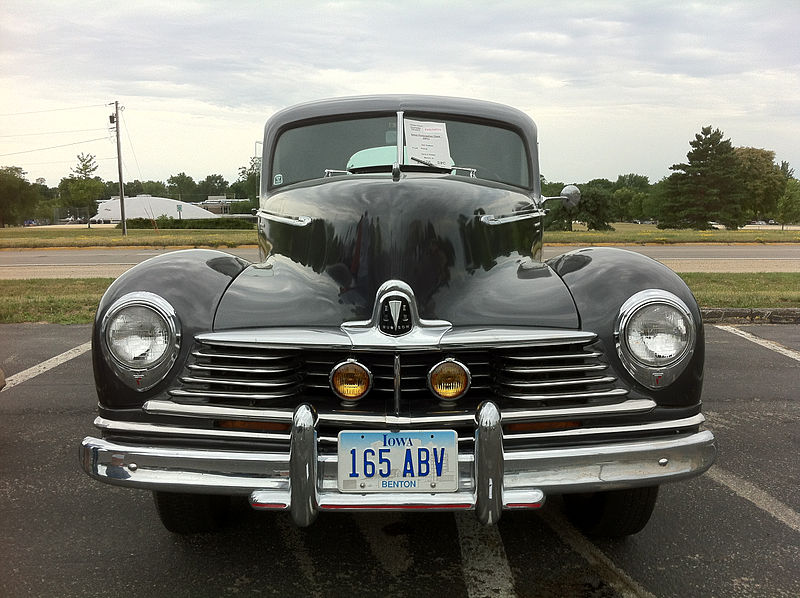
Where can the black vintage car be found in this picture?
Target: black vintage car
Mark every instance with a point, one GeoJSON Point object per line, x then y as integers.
{"type": "Point", "coordinates": [400, 344]}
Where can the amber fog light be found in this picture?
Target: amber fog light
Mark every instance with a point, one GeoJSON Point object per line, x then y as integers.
{"type": "Point", "coordinates": [350, 380]}
{"type": "Point", "coordinates": [449, 379]}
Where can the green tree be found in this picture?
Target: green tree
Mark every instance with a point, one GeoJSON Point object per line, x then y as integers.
{"type": "Point", "coordinates": [595, 206]}
{"type": "Point", "coordinates": [181, 186]}
{"type": "Point", "coordinates": [80, 191]}
{"type": "Point", "coordinates": [213, 184]}
{"type": "Point", "coordinates": [18, 197]}
{"type": "Point", "coordinates": [706, 187]}
{"type": "Point", "coordinates": [789, 203]}
{"type": "Point", "coordinates": [247, 185]}
{"type": "Point", "coordinates": [762, 180]}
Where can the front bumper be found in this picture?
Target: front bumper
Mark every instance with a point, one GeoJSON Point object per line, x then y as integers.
{"type": "Point", "coordinates": [490, 479]}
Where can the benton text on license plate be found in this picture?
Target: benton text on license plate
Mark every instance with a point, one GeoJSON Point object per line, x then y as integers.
{"type": "Point", "coordinates": [410, 461]}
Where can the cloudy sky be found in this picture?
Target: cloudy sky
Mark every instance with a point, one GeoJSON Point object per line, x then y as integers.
{"type": "Point", "coordinates": [614, 87]}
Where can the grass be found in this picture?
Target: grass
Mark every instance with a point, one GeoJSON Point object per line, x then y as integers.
{"type": "Point", "coordinates": [80, 236]}
{"type": "Point", "coordinates": [74, 300]}
{"type": "Point", "coordinates": [745, 289]}
{"type": "Point", "coordinates": [640, 234]}
{"type": "Point", "coordinates": [52, 300]}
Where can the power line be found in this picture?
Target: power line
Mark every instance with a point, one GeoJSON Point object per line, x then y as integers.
{"type": "Point", "coordinates": [53, 110]}
{"type": "Point", "coordinates": [41, 149]}
{"type": "Point", "coordinates": [57, 162]}
{"type": "Point", "coordinates": [52, 132]}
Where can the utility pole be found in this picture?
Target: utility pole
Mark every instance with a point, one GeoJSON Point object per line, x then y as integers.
{"type": "Point", "coordinates": [115, 122]}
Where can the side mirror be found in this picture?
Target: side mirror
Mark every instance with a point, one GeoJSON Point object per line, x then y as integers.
{"type": "Point", "coordinates": [570, 197]}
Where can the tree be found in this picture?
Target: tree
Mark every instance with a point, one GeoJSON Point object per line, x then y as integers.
{"type": "Point", "coordinates": [81, 190]}
{"type": "Point", "coordinates": [181, 186]}
{"type": "Point", "coordinates": [789, 203]}
{"type": "Point", "coordinates": [17, 196]}
{"type": "Point", "coordinates": [706, 187]}
{"type": "Point", "coordinates": [87, 165]}
{"type": "Point", "coordinates": [595, 206]}
{"type": "Point", "coordinates": [762, 180]}
{"type": "Point", "coordinates": [247, 185]}
{"type": "Point", "coordinates": [213, 184]}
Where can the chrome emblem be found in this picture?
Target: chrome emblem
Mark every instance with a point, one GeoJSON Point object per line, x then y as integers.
{"type": "Point", "coordinates": [395, 316]}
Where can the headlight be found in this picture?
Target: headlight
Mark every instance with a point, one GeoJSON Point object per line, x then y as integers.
{"type": "Point", "coordinates": [141, 338]}
{"type": "Point", "coordinates": [138, 337]}
{"type": "Point", "coordinates": [655, 335]}
{"type": "Point", "coordinates": [350, 380]}
{"type": "Point", "coordinates": [449, 379]}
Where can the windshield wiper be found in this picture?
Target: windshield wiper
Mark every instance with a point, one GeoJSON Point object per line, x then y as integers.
{"type": "Point", "coordinates": [471, 172]}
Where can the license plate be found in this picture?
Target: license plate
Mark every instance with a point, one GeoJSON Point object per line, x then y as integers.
{"type": "Point", "coordinates": [411, 461]}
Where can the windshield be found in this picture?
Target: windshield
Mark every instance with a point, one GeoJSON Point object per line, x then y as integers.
{"type": "Point", "coordinates": [362, 145]}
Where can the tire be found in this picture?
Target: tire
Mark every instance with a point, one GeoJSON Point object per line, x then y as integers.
{"type": "Point", "coordinates": [191, 513]}
{"type": "Point", "coordinates": [613, 513]}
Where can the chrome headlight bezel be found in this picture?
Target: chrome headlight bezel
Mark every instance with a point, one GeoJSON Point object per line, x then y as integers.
{"type": "Point", "coordinates": [654, 375]}
{"type": "Point", "coordinates": [146, 377]}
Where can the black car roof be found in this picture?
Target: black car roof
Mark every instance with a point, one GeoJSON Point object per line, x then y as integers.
{"type": "Point", "coordinates": [480, 109]}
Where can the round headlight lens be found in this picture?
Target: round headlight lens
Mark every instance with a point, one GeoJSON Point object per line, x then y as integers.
{"type": "Point", "coordinates": [657, 334]}
{"type": "Point", "coordinates": [449, 379]}
{"type": "Point", "coordinates": [350, 380]}
{"type": "Point", "coordinates": [138, 336]}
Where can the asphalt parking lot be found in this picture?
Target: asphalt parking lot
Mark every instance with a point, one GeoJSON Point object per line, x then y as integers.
{"type": "Point", "coordinates": [732, 532]}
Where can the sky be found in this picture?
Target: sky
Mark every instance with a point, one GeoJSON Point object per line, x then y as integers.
{"type": "Point", "coordinates": [614, 87]}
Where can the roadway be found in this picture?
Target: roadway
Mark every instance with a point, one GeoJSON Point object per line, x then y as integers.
{"type": "Point", "coordinates": [92, 262]}
{"type": "Point", "coordinates": [734, 531]}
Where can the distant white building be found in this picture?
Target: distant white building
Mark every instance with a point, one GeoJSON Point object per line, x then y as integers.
{"type": "Point", "coordinates": [147, 206]}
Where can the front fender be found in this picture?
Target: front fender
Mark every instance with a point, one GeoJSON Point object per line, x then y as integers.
{"type": "Point", "coordinates": [601, 279]}
{"type": "Point", "coordinates": [193, 282]}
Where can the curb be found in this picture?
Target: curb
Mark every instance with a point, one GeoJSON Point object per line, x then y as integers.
{"type": "Point", "coordinates": [738, 315]}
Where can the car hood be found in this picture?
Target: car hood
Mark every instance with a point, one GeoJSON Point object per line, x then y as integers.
{"type": "Point", "coordinates": [427, 231]}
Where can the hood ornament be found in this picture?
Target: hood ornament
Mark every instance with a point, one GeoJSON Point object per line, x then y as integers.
{"type": "Point", "coordinates": [395, 316]}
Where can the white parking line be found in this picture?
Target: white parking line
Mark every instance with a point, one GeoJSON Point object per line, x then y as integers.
{"type": "Point", "coordinates": [41, 368]}
{"type": "Point", "coordinates": [605, 567]}
{"type": "Point", "coordinates": [755, 495]}
{"type": "Point", "coordinates": [777, 347]}
{"type": "Point", "coordinates": [483, 559]}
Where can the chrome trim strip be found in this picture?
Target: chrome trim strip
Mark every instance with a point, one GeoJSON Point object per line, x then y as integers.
{"type": "Point", "coordinates": [672, 425]}
{"type": "Point", "coordinates": [427, 334]}
{"type": "Point", "coordinates": [165, 430]}
{"type": "Point", "coordinates": [262, 357]}
{"type": "Point", "coordinates": [507, 337]}
{"type": "Point", "coordinates": [240, 370]}
{"type": "Point", "coordinates": [554, 370]}
{"type": "Point", "coordinates": [294, 339]}
{"type": "Point", "coordinates": [290, 220]}
{"type": "Point", "coordinates": [590, 355]}
{"type": "Point", "coordinates": [157, 407]}
{"type": "Point", "coordinates": [210, 394]}
{"type": "Point", "coordinates": [508, 218]}
{"type": "Point", "coordinates": [599, 394]}
{"type": "Point", "coordinates": [266, 384]}
{"type": "Point", "coordinates": [562, 382]}
{"type": "Point", "coordinates": [631, 406]}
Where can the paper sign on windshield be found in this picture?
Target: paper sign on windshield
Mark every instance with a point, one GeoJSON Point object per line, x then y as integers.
{"type": "Point", "coordinates": [427, 143]}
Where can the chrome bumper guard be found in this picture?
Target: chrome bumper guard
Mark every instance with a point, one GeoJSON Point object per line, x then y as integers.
{"type": "Point", "coordinates": [490, 480]}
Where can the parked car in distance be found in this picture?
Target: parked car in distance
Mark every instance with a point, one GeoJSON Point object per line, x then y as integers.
{"type": "Point", "coordinates": [400, 344]}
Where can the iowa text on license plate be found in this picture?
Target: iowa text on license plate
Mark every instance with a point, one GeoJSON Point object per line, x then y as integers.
{"type": "Point", "coordinates": [410, 461]}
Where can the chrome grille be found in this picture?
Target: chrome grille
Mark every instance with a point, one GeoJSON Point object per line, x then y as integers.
{"type": "Point", "coordinates": [551, 372]}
